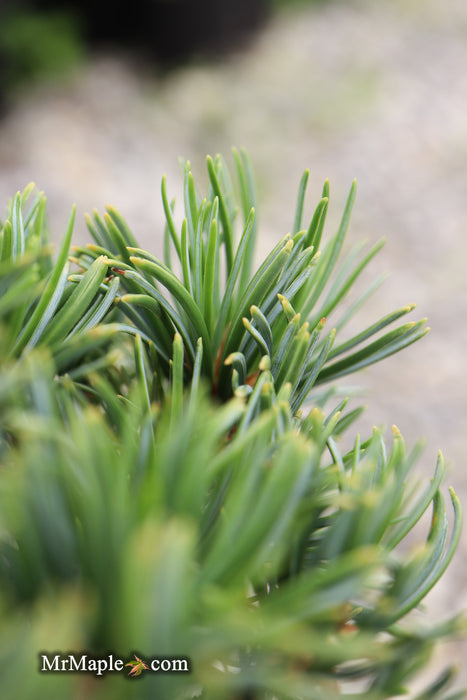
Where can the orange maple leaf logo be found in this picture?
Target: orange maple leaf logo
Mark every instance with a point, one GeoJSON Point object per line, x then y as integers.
{"type": "Point", "coordinates": [138, 667]}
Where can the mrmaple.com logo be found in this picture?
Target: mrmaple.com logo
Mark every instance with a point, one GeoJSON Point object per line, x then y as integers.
{"type": "Point", "coordinates": [82, 663]}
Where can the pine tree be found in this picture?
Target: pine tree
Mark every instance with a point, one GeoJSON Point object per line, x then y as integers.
{"type": "Point", "coordinates": [173, 481]}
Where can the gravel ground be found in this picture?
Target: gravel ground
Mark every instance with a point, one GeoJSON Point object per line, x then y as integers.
{"type": "Point", "coordinates": [376, 91]}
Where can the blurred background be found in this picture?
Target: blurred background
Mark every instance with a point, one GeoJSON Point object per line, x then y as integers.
{"type": "Point", "coordinates": [97, 104]}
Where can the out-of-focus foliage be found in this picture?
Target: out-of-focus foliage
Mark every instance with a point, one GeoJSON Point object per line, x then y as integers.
{"type": "Point", "coordinates": [47, 38]}
{"type": "Point", "coordinates": [291, 3]}
{"type": "Point", "coordinates": [163, 490]}
{"type": "Point", "coordinates": [38, 45]}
